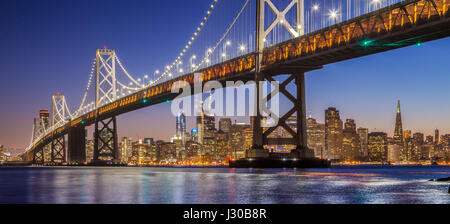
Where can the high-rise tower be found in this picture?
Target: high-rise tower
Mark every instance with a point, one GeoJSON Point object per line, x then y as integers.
{"type": "Point", "coordinates": [398, 133]}
{"type": "Point", "coordinates": [333, 134]}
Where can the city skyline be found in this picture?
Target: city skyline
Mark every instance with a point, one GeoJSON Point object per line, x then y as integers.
{"type": "Point", "coordinates": [374, 83]}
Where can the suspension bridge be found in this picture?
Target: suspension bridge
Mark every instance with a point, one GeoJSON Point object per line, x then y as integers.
{"type": "Point", "coordinates": [263, 39]}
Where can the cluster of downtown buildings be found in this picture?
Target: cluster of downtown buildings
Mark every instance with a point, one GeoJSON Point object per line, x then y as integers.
{"type": "Point", "coordinates": [344, 142]}
{"type": "Point", "coordinates": [334, 140]}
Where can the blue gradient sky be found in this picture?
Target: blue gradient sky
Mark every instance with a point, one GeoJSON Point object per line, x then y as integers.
{"type": "Point", "coordinates": [48, 46]}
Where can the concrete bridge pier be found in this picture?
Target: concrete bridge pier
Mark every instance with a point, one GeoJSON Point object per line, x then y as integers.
{"type": "Point", "coordinates": [77, 145]}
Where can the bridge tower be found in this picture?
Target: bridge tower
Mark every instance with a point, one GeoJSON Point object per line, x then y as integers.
{"type": "Point", "coordinates": [260, 136]}
{"type": "Point", "coordinates": [58, 116]}
{"type": "Point", "coordinates": [105, 133]}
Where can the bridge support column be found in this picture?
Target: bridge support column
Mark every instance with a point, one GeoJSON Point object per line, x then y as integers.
{"type": "Point", "coordinates": [302, 150]}
{"type": "Point", "coordinates": [257, 150]}
{"type": "Point", "coordinates": [299, 139]}
{"type": "Point", "coordinates": [38, 156]}
{"type": "Point", "coordinates": [105, 141]}
{"type": "Point", "coordinates": [77, 145]}
{"type": "Point", "coordinates": [58, 150]}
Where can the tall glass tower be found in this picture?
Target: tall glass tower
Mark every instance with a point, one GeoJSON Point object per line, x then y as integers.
{"type": "Point", "coordinates": [181, 125]}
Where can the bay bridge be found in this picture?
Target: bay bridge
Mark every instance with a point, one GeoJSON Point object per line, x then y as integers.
{"type": "Point", "coordinates": [264, 39]}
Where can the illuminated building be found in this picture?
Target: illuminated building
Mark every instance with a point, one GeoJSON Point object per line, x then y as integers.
{"type": "Point", "coordinates": [194, 135]}
{"type": "Point", "coordinates": [377, 147]}
{"type": "Point", "coordinates": [148, 141]}
{"type": "Point", "coordinates": [248, 139]}
{"type": "Point", "coordinates": [363, 134]}
{"type": "Point", "coordinates": [394, 151]}
{"type": "Point", "coordinates": [193, 150]}
{"type": "Point", "coordinates": [333, 134]}
{"type": "Point", "coordinates": [405, 152]}
{"type": "Point", "coordinates": [89, 150]}
{"type": "Point", "coordinates": [316, 137]}
{"type": "Point", "coordinates": [206, 126]}
{"type": "Point", "coordinates": [180, 130]}
{"type": "Point", "coordinates": [167, 152]}
{"type": "Point", "coordinates": [225, 125]}
{"type": "Point", "coordinates": [416, 150]}
{"type": "Point", "coordinates": [407, 134]}
{"type": "Point", "coordinates": [398, 133]}
{"type": "Point", "coordinates": [436, 136]}
{"type": "Point", "coordinates": [2, 154]}
{"type": "Point", "coordinates": [220, 135]}
{"type": "Point", "coordinates": [351, 146]}
{"type": "Point", "coordinates": [237, 138]}
{"type": "Point", "coordinates": [139, 153]}
{"type": "Point", "coordinates": [429, 139]}
{"type": "Point", "coordinates": [209, 146]}
{"type": "Point", "coordinates": [126, 149]}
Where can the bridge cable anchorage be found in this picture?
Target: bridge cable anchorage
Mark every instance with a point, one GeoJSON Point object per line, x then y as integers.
{"type": "Point", "coordinates": [223, 36]}
{"type": "Point", "coordinates": [189, 44]}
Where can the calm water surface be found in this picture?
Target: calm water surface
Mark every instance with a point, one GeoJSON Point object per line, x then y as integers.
{"type": "Point", "coordinates": [362, 184]}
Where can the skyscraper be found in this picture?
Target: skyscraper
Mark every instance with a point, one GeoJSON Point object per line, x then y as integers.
{"type": "Point", "coordinates": [180, 129]}
{"type": "Point", "coordinates": [206, 125]}
{"type": "Point", "coordinates": [378, 147]}
{"type": "Point", "coordinates": [398, 133]}
{"type": "Point", "coordinates": [225, 125]}
{"type": "Point", "coordinates": [181, 125]}
{"type": "Point", "coordinates": [350, 143]}
{"type": "Point", "coordinates": [436, 136]}
{"type": "Point", "coordinates": [364, 140]}
{"type": "Point", "coordinates": [333, 134]}
{"type": "Point", "coordinates": [316, 137]}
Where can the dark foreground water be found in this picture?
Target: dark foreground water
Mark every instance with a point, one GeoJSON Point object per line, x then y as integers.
{"type": "Point", "coordinates": [223, 185]}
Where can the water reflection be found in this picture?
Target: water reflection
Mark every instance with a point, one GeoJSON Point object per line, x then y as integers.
{"type": "Point", "coordinates": [223, 185]}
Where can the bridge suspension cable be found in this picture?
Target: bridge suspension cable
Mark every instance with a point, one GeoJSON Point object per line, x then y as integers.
{"type": "Point", "coordinates": [127, 74]}
{"type": "Point", "coordinates": [212, 50]}
{"type": "Point", "coordinates": [189, 44]}
{"type": "Point", "coordinates": [87, 89]}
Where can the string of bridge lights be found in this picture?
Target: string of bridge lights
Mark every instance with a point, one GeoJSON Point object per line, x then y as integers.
{"type": "Point", "coordinates": [169, 68]}
{"type": "Point", "coordinates": [212, 50]}
{"type": "Point", "coordinates": [87, 88]}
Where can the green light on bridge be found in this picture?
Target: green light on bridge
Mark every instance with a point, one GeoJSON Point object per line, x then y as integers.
{"type": "Point", "coordinates": [419, 44]}
{"type": "Point", "coordinates": [168, 101]}
{"type": "Point", "coordinates": [366, 43]}
{"type": "Point", "coordinates": [145, 101]}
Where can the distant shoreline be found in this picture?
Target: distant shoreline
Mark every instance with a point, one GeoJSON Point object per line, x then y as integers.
{"type": "Point", "coordinates": [225, 166]}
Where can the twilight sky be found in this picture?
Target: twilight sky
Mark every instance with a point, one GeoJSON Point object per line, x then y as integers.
{"type": "Point", "coordinates": [47, 46]}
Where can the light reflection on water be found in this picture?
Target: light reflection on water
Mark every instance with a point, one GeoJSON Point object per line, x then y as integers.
{"type": "Point", "coordinates": [224, 185]}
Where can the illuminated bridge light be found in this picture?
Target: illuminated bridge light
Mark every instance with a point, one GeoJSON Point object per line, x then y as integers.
{"type": "Point", "coordinates": [366, 43]}
{"type": "Point", "coordinates": [168, 101]}
{"type": "Point", "coordinates": [145, 101]}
